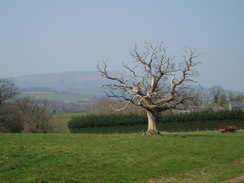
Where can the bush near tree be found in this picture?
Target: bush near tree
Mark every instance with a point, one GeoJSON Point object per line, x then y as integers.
{"type": "Point", "coordinates": [33, 115]}
{"type": "Point", "coordinates": [9, 122]}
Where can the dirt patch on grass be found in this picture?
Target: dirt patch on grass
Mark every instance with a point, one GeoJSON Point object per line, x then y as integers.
{"type": "Point", "coordinates": [239, 178]}
{"type": "Point", "coordinates": [239, 161]}
{"type": "Point", "coordinates": [163, 180]}
{"type": "Point", "coordinates": [235, 180]}
{"type": "Point", "coordinates": [200, 175]}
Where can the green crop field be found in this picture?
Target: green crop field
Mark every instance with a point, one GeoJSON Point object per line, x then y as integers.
{"type": "Point", "coordinates": [177, 157]}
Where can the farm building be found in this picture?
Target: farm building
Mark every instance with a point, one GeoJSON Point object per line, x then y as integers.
{"type": "Point", "coordinates": [236, 105]}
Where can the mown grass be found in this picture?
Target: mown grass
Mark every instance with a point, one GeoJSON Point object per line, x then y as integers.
{"type": "Point", "coordinates": [179, 157]}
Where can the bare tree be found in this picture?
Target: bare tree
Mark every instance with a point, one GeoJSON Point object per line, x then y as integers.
{"type": "Point", "coordinates": [156, 83]}
{"type": "Point", "coordinates": [9, 121]}
{"type": "Point", "coordinates": [216, 91]}
{"type": "Point", "coordinates": [238, 98]}
{"type": "Point", "coordinates": [7, 90]}
{"type": "Point", "coordinates": [33, 114]}
{"type": "Point", "coordinates": [230, 96]}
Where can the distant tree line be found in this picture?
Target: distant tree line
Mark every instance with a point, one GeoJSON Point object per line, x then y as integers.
{"type": "Point", "coordinates": [26, 114]}
{"type": "Point", "coordinates": [58, 106]}
{"type": "Point", "coordinates": [218, 95]}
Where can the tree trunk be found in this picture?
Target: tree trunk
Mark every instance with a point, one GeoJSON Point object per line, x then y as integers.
{"type": "Point", "coordinates": [152, 123]}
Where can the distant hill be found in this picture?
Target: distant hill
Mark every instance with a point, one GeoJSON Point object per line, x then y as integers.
{"type": "Point", "coordinates": [85, 83]}
{"type": "Point", "coordinates": [73, 81]}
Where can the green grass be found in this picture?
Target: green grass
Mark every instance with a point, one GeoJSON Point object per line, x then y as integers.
{"type": "Point", "coordinates": [65, 158]}
{"type": "Point", "coordinates": [60, 121]}
{"type": "Point", "coordinates": [60, 97]}
{"type": "Point", "coordinates": [68, 115]}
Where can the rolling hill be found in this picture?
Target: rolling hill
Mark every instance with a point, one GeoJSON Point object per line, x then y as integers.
{"type": "Point", "coordinates": [57, 80]}
{"type": "Point", "coordinates": [82, 82]}
{"type": "Point", "coordinates": [66, 91]}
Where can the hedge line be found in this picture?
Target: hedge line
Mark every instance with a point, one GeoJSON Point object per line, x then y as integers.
{"type": "Point", "coordinates": [127, 123]}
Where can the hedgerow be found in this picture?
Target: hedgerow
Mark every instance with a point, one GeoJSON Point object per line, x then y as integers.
{"type": "Point", "coordinates": [127, 123]}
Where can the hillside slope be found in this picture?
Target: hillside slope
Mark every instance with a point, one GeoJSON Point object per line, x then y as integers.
{"type": "Point", "coordinates": [73, 81]}
{"type": "Point", "coordinates": [82, 82]}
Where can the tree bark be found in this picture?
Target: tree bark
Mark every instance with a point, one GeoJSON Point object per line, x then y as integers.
{"type": "Point", "coordinates": [152, 123]}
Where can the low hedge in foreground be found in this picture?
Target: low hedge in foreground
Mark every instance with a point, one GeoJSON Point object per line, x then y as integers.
{"type": "Point", "coordinates": [129, 123]}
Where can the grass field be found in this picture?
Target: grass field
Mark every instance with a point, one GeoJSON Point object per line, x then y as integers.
{"type": "Point", "coordinates": [59, 97]}
{"type": "Point", "coordinates": [68, 115]}
{"type": "Point", "coordinates": [60, 121]}
{"type": "Point", "coordinates": [66, 158]}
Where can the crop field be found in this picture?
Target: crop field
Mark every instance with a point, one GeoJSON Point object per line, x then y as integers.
{"type": "Point", "coordinates": [173, 157]}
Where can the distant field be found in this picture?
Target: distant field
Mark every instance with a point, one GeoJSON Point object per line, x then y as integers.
{"type": "Point", "coordinates": [58, 96]}
{"type": "Point", "coordinates": [176, 157]}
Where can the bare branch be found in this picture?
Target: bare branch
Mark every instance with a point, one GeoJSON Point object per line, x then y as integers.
{"type": "Point", "coordinates": [105, 74]}
{"type": "Point", "coordinates": [163, 84]}
{"type": "Point", "coordinates": [121, 109]}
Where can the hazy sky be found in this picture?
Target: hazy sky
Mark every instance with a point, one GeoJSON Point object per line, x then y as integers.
{"type": "Point", "coordinates": [45, 36]}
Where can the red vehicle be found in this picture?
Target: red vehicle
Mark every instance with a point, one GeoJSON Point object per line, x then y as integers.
{"type": "Point", "coordinates": [227, 128]}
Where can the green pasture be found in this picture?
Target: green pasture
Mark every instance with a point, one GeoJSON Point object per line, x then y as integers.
{"type": "Point", "coordinates": [67, 98]}
{"type": "Point", "coordinates": [68, 115]}
{"type": "Point", "coordinates": [176, 157]}
{"type": "Point", "coordinates": [60, 121]}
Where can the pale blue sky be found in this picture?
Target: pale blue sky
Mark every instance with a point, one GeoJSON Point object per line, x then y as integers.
{"type": "Point", "coordinates": [45, 36]}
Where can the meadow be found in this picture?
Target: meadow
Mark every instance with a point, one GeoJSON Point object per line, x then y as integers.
{"type": "Point", "coordinates": [56, 96]}
{"type": "Point", "coordinates": [60, 121]}
{"type": "Point", "coordinates": [174, 157]}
